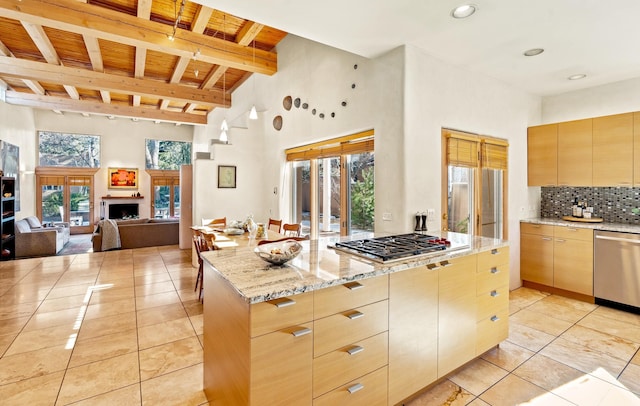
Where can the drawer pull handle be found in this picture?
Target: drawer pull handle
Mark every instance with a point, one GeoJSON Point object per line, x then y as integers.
{"type": "Point", "coordinates": [494, 270]}
{"type": "Point", "coordinates": [355, 315]}
{"type": "Point", "coordinates": [301, 332]}
{"type": "Point", "coordinates": [355, 350]}
{"type": "Point", "coordinates": [546, 238]}
{"type": "Point", "coordinates": [285, 303]}
{"type": "Point", "coordinates": [494, 251]}
{"type": "Point", "coordinates": [572, 229]}
{"type": "Point", "coordinates": [432, 267]}
{"type": "Point", "coordinates": [495, 318]}
{"type": "Point", "coordinates": [445, 263]}
{"type": "Point", "coordinates": [353, 285]}
{"type": "Point", "coordinates": [560, 240]}
{"type": "Point", "coordinates": [354, 388]}
{"type": "Point", "coordinates": [494, 293]}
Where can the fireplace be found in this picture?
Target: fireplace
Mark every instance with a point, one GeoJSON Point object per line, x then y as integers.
{"type": "Point", "coordinates": [123, 210]}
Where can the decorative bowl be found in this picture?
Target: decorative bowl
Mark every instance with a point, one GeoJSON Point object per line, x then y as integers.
{"type": "Point", "coordinates": [233, 231]}
{"type": "Point", "coordinates": [280, 252]}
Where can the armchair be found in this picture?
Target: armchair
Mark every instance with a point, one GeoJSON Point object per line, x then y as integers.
{"type": "Point", "coordinates": [32, 239]}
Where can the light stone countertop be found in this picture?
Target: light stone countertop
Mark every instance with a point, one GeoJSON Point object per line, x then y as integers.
{"type": "Point", "coordinates": [319, 266]}
{"type": "Point", "coordinates": [619, 227]}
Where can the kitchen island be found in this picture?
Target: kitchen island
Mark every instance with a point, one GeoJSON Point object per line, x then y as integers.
{"type": "Point", "coordinates": [333, 328]}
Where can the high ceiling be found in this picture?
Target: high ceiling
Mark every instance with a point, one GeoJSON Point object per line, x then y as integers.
{"type": "Point", "coordinates": [592, 37]}
{"type": "Point", "coordinates": [115, 57]}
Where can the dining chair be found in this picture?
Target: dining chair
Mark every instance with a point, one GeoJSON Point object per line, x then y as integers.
{"type": "Point", "coordinates": [291, 230]}
{"type": "Point", "coordinates": [261, 242]}
{"type": "Point", "coordinates": [274, 225]}
{"type": "Point", "coordinates": [201, 245]}
{"type": "Point", "coordinates": [220, 223]}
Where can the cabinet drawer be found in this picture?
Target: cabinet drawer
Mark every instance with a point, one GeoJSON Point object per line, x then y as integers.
{"type": "Point", "coordinates": [368, 390]}
{"type": "Point", "coordinates": [348, 363]}
{"type": "Point", "coordinates": [493, 257]}
{"type": "Point", "coordinates": [280, 313]}
{"type": "Point", "coordinates": [491, 278]}
{"type": "Point", "coordinates": [573, 233]}
{"type": "Point", "coordinates": [492, 302]}
{"type": "Point", "coordinates": [344, 328]}
{"type": "Point", "coordinates": [350, 295]}
{"type": "Point", "coordinates": [536, 229]}
{"type": "Point", "coordinates": [492, 331]}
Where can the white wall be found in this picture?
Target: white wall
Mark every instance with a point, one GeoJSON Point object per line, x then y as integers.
{"type": "Point", "coordinates": [614, 98]}
{"type": "Point", "coordinates": [17, 127]}
{"type": "Point", "coordinates": [122, 145]}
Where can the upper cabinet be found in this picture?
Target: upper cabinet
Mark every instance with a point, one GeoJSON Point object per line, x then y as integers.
{"type": "Point", "coordinates": [613, 150]}
{"type": "Point", "coordinates": [636, 149]}
{"type": "Point", "coordinates": [542, 159]}
{"type": "Point", "coordinates": [575, 145]}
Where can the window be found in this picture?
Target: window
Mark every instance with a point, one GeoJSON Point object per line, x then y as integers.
{"type": "Point", "coordinates": [68, 150]}
{"type": "Point", "coordinates": [167, 154]}
{"type": "Point", "coordinates": [474, 184]}
{"type": "Point", "coordinates": [333, 185]}
{"type": "Point", "coordinates": [165, 192]}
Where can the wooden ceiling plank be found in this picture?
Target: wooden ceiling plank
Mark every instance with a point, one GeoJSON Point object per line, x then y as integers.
{"type": "Point", "coordinates": [23, 68]}
{"type": "Point", "coordinates": [144, 12]}
{"type": "Point", "coordinates": [201, 19]}
{"type": "Point", "coordinates": [248, 32]}
{"type": "Point", "coordinates": [84, 106]}
{"type": "Point", "coordinates": [81, 18]}
{"type": "Point", "coordinates": [31, 84]}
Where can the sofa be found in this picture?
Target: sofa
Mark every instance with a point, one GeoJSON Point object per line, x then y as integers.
{"type": "Point", "coordinates": [139, 233]}
{"type": "Point", "coordinates": [33, 239]}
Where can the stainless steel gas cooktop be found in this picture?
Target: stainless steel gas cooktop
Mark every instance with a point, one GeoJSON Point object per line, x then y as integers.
{"type": "Point", "coordinates": [394, 247]}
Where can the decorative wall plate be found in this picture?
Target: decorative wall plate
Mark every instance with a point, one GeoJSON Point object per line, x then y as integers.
{"type": "Point", "coordinates": [286, 103]}
{"type": "Point", "coordinates": [277, 122]}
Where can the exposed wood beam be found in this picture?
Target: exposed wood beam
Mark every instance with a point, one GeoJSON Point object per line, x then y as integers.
{"type": "Point", "coordinates": [144, 12]}
{"type": "Point", "coordinates": [74, 16]}
{"type": "Point", "coordinates": [248, 32]}
{"type": "Point", "coordinates": [95, 56]}
{"type": "Point", "coordinates": [115, 83]}
{"type": "Point", "coordinates": [85, 106]}
{"type": "Point", "coordinates": [31, 84]}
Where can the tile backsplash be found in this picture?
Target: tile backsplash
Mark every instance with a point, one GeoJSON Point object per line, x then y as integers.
{"type": "Point", "coordinates": [613, 204]}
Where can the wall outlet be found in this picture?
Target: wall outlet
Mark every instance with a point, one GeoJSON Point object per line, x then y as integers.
{"type": "Point", "coordinates": [431, 213]}
{"type": "Point", "coordinates": [386, 217]}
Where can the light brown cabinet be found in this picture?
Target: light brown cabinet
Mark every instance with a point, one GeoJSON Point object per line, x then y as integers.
{"type": "Point", "coordinates": [492, 298]}
{"type": "Point", "coordinates": [557, 257]}
{"type": "Point", "coordinates": [636, 149]}
{"type": "Point", "coordinates": [575, 153]}
{"type": "Point", "coordinates": [613, 150]}
{"type": "Point", "coordinates": [542, 155]}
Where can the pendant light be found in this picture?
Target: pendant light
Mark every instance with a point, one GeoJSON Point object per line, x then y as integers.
{"type": "Point", "coordinates": [224, 127]}
{"type": "Point", "coordinates": [253, 114]}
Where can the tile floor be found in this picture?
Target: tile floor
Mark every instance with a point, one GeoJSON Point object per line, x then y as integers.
{"type": "Point", "coordinates": [125, 328]}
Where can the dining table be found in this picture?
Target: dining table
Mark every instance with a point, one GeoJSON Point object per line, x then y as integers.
{"type": "Point", "coordinates": [225, 239]}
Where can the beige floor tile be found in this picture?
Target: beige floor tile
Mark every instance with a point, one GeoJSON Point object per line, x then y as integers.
{"type": "Point", "coordinates": [107, 325]}
{"type": "Point", "coordinates": [5, 341]}
{"type": "Point", "coordinates": [588, 390]}
{"type": "Point", "coordinates": [524, 297]}
{"type": "Point", "coordinates": [155, 288]}
{"type": "Point", "coordinates": [636, 359]}
{"type": "Point", "coordinates": [152, 278]}
{"type": "Point", "coordinates": [71, 280]}
{"type": "Point", "coordinates": [106, 309]}
{"type": "Point", "coordinates": [444, 393]}
{"type": "Point", "coordinates": [540, 322]}
{"type": "Point", "coordinates": [198, 323]}
{"type": "Point", "coordinates": [478, 376]}
{"type": "Point", "coordinates": [169, 357]}
{"type": "Point", "coordinates": [619, 315]}
{"type": "Point", "coordinates": [66, 317]}
{"type": "Point", "coordinates": [13, 326]}
{"type": "Point", "coordinates": [103, 347]}
{"type": "Point", "coordinates": [476, 402]}
{"type": "Point", "coordinates": [559, 310]}
{"type": "Point", "coordinates": [19, 310]}
{"type": "Point", "coordinates": [602, 342]}
{"type": "Point", "coordinates": [158, 334]}
{"type": "Point", "coordinates": [62, 303]}
{"type": "Point", "coordinates": [63, 291]}
{"type": "Point", "coordinates": [31, 364]}
{"type": "Point", "coordinates": [38, 391]}
{"type": "Point", "coordinates": [30, 340]}
{"type": "Point", "coordinates": [111, 294]}
{"type": "Point", "coordinates": [186, 388]}
{"type": "Point", "coordinates": [507, 355]}
{"type": "Point", "coordinates": [116, 280]}
{"type": "Point", "coordinates": [158, 299]}
{"type": "Point", "coordinates": [127, 396]}
{"type": "Point", "coordinates": [24, 294]}
{"type": "Point", "coordinates": [513, 390]}
{"type": "Point", "coordinates": [572, 303]}
{"type": "Point", "coordinates": [527, 337]}
{"type": "Point", "coordinates": [630, 378]}
{"type": "Point", "coordinates": [582, 358]}
{"type": "Point", "coordinates": [546, 373]}
{"type": "Point", "coordinates": [614, 327]}
{"type": "Point", "coordinates": [189, 294]}
{"type": "Point", "coordinates": [99, 377]}
{"type": "Point", "coordinates": [155, 315]}
{"type": "Point", "coordinates": [193, 307]}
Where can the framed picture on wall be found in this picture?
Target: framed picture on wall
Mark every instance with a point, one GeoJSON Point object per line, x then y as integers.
{"type": "Point", "coordinates": [123, 178]}
{"type": "Point", "coordinates": [226, 176]}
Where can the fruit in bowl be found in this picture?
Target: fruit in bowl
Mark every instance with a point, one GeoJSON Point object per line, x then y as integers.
{"type": "Point", "coordinates": [280, 252]}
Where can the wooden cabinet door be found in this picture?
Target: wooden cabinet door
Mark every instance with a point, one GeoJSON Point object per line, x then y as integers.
{"type": "Point", "coordinates": [573, 262]}
{"type": "Point", "coordinates": [542, 155]}
{"type": "Point", "coordinates": [636, 149]}
{"type": "Point", "coordinates": [575, 153]}
{"type": "Point", "coordinates": [413, 331]}
{"type": "Point", "coordinates": [613, 150]}
{"type": "Point", "coordinates": [536, 258]}
{"type": "Point", "coordinates": [456, 314]}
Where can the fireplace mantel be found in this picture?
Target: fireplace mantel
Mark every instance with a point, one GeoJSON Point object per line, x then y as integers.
{"type": "Point", "coordinates": [121, 197]}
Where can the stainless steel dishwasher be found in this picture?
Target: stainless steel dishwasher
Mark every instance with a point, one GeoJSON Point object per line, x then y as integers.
{"type": "Point", "coordinates": [616, 275]}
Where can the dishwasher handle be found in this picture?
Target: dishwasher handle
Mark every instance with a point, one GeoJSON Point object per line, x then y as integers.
{"type": "Point", "coordinates": [604, 237]}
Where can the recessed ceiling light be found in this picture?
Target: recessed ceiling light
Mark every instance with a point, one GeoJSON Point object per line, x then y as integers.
{"type": "Point", "coordinates": [577, 76]}
{"type": "Point", "coordinates": [533, 52]}
{"type": "Point", "coordinates": [464, 11]}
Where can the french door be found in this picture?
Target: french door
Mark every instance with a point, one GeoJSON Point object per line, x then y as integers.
{"type": "Point", "coordinates": [165, 189]}
{"type": "Point", "coordinates": [66, 196]}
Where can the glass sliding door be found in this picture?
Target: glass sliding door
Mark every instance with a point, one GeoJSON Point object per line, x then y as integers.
{"type": "Point", "coordinates": [491, 214]}
{"type": "Point", "coordinates": [301, 195]}
{"type": "Point", "coordinates": [360, 192]}
{"type": "Point", "coordinates": [329, 208]}
{"type": "Point", "coordinates": [460, 192]}
{"type": "Point", "coordinates": [80, 203]}
{"type": "Point", "coordinates": [165, 191]}
{"type": "Point", "coordinates": [66, 198]}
